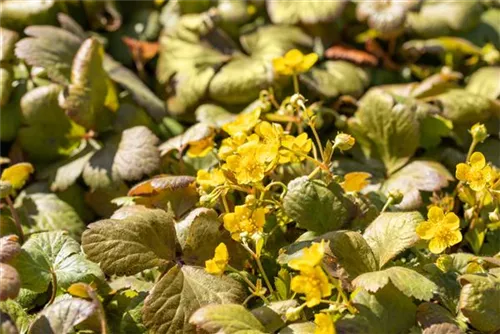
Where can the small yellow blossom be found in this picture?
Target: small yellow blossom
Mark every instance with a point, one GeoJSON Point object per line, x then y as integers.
{"type": "Point", "coordinates": [294, 62]}
{"type": "Point", "coordinates": [475, 173]}
{"type": "Point", "coordinates": [201, 148]}
{"type": "Point", "coordinates": [293, 145]}
{"type": "Point", "coordinates": [442, 230]}
{"type": "Point", "coordinates": [310, 257]}
{"type": "Point", "coordinates": [217, 265]}
{"type": "Point", "coordinates": [243, 123]}
{"type": "Point", "coordinates": [312, 282]}
{"type": "Point", "coordinates": [355, 181]}
{"type": "Point", "coordinates": [324, 324]}
{"type": "Point", "coordinates": [251, 161]}
{"type": "Point", "coordinates": [231, 144]}
{"type": "Point", "coordinates": [244, 219]}
{"type": "Point", "coordinates": [344, 142]}
{"type": "Point", "coordinates": [271, 133]}
{"type": "Point", "coordinates": [211, 179]}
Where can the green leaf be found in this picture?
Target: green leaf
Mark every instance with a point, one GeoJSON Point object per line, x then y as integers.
{"type": "Point", "coordinates": [48, 253]}
{"type": "Point", "coordinates": [199, 233]}
{"type": "Point", "coordinates": [352, 252]}
{"type": "Point", "coordinates": [240, 81]}
{"type": "Point", "coordinates": [484, 82]}
{"type": "Point", "coordinates": [213, 115]}
{"type": "Point", "coordinates": [226, 318]}
{"type": "Point", "coordinates": [443, 18]}
{"type": "Point", "coordinates": [133, 244]}
{"type": "Point", "coordinates": [11, 284]}
{"type": "Point", "coordinates": [417, 176]}
{"type": "Point", "coordinates": [432, 129]}
{"type": "Point", "coordinates": [85, 102]}
{"type": "Point", "coordinates": [8, 39]}
{"type": "Point", "coordinates": [6, 79]}
{"type": "Point", "coordinates": [51, 48]}
{"type": "Point", "coordinates": [299, 328]}
{"type": "Point", "coordinates": [62, 316]}
{"type": "Point", "coordinates": [430, 314]}
{"type": "Point", "coordinates": [140, 93]}
{"type": "Point", "coordinates": [46, 212]}
{"type": "Point", "coordinates": [391, 129]}
{"type": "Point", "coordinates": [272, 41]}
{"type": "Point", "coordinates": [479, 303]}
{"type": "Point", "coordinates": [128, 157]}
{"type": "Point", "coordinates": [408, 281]}
{"type": "Point", "coordinates": [180, 293]}
{"type": "Point", "coordinates": [314, 205]}
{"type": "Point", "coordinates": [16, 15]}
{"type": "Point", "coordinates": [305, 12]}
{"type": "Point", "coordinates": [49, 133]}
{"type": "Point", "coordinates": [11, 114]}
{"type": "Point", "coordinates": [377, 313]}
{"type": "Point", "coordinates": [273, 315]}
{"type": "Point", "coordinates": [68, 171]}
{"type": "Point", "coordinates": [333, 78]}
{"type": "Point", "coordinates": [391, 233]}
{"type": "Point", "coordinates": [463, 107]}
{"type": "Point", "coordinates": [17, 313]}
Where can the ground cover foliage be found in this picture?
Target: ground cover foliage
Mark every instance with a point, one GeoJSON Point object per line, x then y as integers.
{"type": "Point", "coordinates": [250, 167]}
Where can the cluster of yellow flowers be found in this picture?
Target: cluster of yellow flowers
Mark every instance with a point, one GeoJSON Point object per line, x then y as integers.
{"type": "Point", "coordinates": [253, 150]}
{"type": "Point", "coordinates": [312, 280]}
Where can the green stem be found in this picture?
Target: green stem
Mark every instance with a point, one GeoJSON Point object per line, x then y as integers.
{"type": "Point", "coordinates": [247, 281]}
{"type": "Point", "coordinates": [318, 141]}
{"type": "Point", "coordinates": [471, 149]}
{"type": "Point", "coordinates": [259, 266]}
{"type": "Point", "coordinates": [295, 83]}
{"type": "Point", "coordinates": [17, 221]}
{"type": "Point", "coordinates": [386, 205]}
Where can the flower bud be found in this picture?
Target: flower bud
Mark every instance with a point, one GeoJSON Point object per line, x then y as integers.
{"type": "Point", "coordinates": [397, 196]}
{"type": "Point", "coordinates": [297, 100]}
{"type": "Point", "coordinates": [444, 263]}
{"type": "Point", "coordinates": [494, 217]}
{"type": "Point", "coordinates": [250, 200]}
{"type": "Point", "coordinates": [344, 142]}
{"type": "Point", "coordinates": [293, 313]}
{"type": "Point", "coordinates": [479, 132]}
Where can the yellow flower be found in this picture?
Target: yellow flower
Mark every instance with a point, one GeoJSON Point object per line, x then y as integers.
{"type": "Point", "coordinates": [312, 282]}
{"type": "Point", "coordinates": [355, 181]}
{"type": "Point", "coordinates": [217, 265]}
{"type": "Point", "coordinates": [244, 219]}
{"type": "Point", "coordinates": [311, 256]}
{"type": "Point", "coordinates": [324, 324]}
{"type": "Point", "coordinates": [294, 62]}
{"type": "Point", "coordinates": [243, 123]}
{"type": "Point", "coordinates": [300, 144]}
{"type": "Point", "coordinates": [251, 161]}
{"type": "Point", "coordinates": [475, 173]}
{"type": "Point", "coordinates": [201, 148]}
{"type": "Point", "coordinates": [231, 144]}
{"type": "Point", "coordinates": [210, 179]}
{"type": "Point", "coordinates": [18, 174]}
{"type": "Point", "coordinates": [442, 230]}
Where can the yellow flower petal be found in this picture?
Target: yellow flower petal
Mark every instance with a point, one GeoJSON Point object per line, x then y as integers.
{"type": "Point", "coordinates": [18, 174]}
{"type": "Point", "coordinates": [355, 181]}
{"type": "Point", "coordinates": [307, 62]}
{"type": "Point", "coordinates": [451, 221]}
{"type": "Point", "coordinates": [437, 245]}
{"type": "Point", "coordinates": [435, 214]}
{"type": "Point", "coordinates": [294, 58]}
{"type": "Point", "coordinates": [217, 265]}
{"type": "Point", "coordinates": [477, 184]}
{"type": "Point", "coordinates": [311, 256]}
{"type": "Point", "coordinates": [462, 172]}
{"type": "Point", "coordinates": [477, 161]}
{"type": "Point", "coordinates": [324, 324]}
{"type": "Point", "coordinates": [426, 230]}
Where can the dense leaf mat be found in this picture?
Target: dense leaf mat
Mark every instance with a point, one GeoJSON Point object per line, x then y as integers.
{"type": "Point", "coordinates": [246, 167]}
